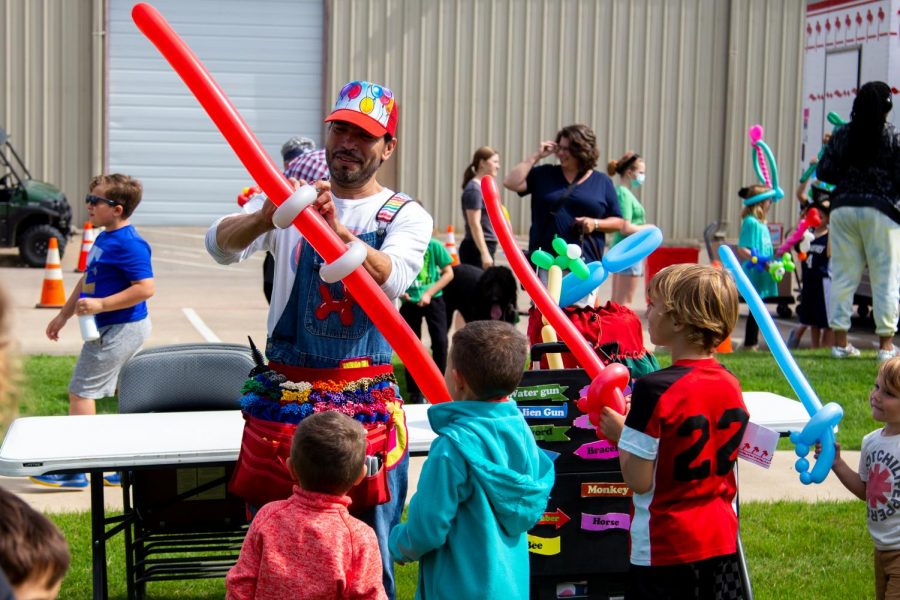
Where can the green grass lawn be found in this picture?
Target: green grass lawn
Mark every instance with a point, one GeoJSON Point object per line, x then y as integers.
{"type": "Point", "coordinates": [794, 549]}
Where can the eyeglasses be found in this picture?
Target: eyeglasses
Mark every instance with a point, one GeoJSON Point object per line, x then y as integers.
{"type": "Point", "coordinates": [561, 149]}
{"type": "Point", "coordinates": [93, 200]}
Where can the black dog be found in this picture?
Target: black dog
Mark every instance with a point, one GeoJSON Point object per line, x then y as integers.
{"type": "Point", "coordinates": [482, 295]}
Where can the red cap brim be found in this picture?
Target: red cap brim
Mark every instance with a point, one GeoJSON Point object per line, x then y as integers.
{"type": "Point", "coordinates": [362, 120]}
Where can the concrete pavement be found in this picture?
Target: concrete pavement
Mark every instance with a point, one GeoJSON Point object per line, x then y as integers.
{"type": "Point", "coordinates": [197, 300]}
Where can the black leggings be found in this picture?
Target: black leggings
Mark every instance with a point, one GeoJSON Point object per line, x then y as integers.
{"type": "Point", "coordinates": [435, 315]}
{"type": "Point", "coordinates": [751, 333]}
{"type": "Point", "coordinates": [469, 254]}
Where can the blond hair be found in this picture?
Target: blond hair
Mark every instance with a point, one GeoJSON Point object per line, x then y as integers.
{"type": "Point", "coordinates": [890, 376]}
{"type": "Point", "coordinates": [758, 209]}
{"type": "Point", "coordinates": [702, 297]}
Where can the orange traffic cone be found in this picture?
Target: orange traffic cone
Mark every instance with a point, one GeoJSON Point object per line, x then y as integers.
{"type": "Point", "coordinates": [87, 240]}
{"type": "Point", "coordinates": [725, 346]}
{"type": "Point", "coordinates": [52, 294]}
{"type": "Point", "coordinates": [451, 245]}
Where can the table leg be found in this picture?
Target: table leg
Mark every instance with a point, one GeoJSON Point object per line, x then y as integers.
{"type": "Point", "coordinates": [98, 536]}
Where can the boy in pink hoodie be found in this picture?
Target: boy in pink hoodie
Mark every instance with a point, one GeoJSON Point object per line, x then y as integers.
{"type": "Point", "coordinates": [309, 546]}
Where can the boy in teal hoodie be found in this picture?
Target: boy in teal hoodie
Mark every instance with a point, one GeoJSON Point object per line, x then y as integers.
{"type": "Point", "coordinates": [485, 482]}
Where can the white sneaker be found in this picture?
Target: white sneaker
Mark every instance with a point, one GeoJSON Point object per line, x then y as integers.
{"type": "Point", "coordinates": [884, 355]}
{"type": "Point", "coordinates": [847, 351]}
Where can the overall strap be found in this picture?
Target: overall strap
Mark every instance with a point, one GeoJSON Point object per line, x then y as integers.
{"type": "Point", "coordinates": [388, 211]}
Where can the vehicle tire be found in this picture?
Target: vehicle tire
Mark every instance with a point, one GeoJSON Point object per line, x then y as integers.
{"type": "Point", "coordinates": [33, 244]}
{"type": "Point", "coordinates": [783, 310]}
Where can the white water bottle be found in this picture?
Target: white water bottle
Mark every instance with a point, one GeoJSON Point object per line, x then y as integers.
{"type": "Point", "coordinates": [88, 325]}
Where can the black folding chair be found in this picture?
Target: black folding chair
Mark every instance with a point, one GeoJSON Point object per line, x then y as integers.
{"type": "Point", "coordinates": [181, 523]}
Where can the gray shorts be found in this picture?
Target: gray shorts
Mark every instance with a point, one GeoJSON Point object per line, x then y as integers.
{"type": "Point", "coordinates": [97, 369]}
{"type": "Point", "coordinates": [635, 270]}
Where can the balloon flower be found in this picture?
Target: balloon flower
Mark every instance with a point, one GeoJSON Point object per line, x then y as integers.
{"type": "Point", "coordinates": [811, 219]}
{"type": "Point", "coordinates": [343, 262]}
{"type": "Point", "coordinates": [823, 419]}
{"type": "Point", "coordinates": [779, 266]}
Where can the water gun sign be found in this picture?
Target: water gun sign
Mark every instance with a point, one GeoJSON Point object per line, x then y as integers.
{"type": "Point", "coordinates": [549, 392]}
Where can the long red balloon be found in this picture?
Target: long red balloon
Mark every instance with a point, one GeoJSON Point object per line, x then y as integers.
{"type": "Point", "coordinates": [584, 354]}
{"type": "Point", "coordinates": [310, 223]}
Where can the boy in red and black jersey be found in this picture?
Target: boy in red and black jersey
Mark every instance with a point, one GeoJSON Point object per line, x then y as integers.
{"type": "Point", "coordinates": [679, 442]}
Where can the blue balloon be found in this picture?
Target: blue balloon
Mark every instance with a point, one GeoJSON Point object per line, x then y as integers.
{"type": "Point", "coordinates": [820, 427]}
{"type": "Point", "coordinates": [575, 288]}
{"type": "Point", "coordinates": [633, 249]}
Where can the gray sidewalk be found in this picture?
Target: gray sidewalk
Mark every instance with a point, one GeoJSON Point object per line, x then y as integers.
{"type": "Point", "coordinates": [198, 300]}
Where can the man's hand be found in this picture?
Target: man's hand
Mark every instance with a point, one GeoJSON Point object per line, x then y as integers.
{"type": "Point", "coordinates": [425, 300]}
{"type": "Point", "coordinates": [486, 261]}
{"type": "Point", "coordinates": [324, 204]}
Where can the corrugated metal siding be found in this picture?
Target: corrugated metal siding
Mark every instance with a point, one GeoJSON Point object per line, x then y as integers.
{"type": "Point", "coordinates": [267, 58]}
{"type": "Point", "coordinates": [47, 100]}
{"type": "Point", "coordinates": [678, 81]}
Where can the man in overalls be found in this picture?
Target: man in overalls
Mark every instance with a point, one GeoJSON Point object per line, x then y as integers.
{"type": "Point", "coordinates": [311, 335]}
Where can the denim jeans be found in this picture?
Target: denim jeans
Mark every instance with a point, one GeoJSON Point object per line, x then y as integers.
{"type": "Point", "coordinates": [385, 517]}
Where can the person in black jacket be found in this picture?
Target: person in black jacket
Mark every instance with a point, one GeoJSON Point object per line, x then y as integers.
{"type": "Point", "coordinates": [862, 161]}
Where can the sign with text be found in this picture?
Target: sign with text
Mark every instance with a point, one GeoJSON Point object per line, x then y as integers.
{"type": "Point", "coordinates": [605, 489]}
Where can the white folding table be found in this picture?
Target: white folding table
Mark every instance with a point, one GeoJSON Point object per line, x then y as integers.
{"type": "Point", "coordinates": [98, 443]}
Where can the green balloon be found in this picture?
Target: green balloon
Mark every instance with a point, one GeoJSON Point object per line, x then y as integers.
{"type": "Point", "coordinates": [542, 259]}
{"type": "Point", "coordinates": [562, 261]}
{"type": "Point", "coordinates": [579, 268]}
{"type": "Point", "coordinates": [560, 246]}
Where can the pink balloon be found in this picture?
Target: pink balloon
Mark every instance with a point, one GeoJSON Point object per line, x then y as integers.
{"type": "Point", "coordinates": [755, 133]}
{"type": "Point", "coordinates": [310, 223]}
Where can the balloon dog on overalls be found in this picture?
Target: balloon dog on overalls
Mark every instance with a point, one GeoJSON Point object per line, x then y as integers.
{"type": "Point", "coordinates": [343, 261]}
{"type": "Point", "coordinates": [607, 382]}
{"type": "Point", "coordinates": [823, 419]}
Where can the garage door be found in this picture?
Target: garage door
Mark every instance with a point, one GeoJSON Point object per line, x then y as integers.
{"type": "Point", "coordinates": [267, 57]}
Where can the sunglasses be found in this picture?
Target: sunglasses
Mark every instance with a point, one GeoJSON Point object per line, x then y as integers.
{"type": "Point", "coordinates": [93, 200]}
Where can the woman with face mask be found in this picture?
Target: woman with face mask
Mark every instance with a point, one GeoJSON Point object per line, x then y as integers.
{"type": "Point", "coordinates": [630, 169]}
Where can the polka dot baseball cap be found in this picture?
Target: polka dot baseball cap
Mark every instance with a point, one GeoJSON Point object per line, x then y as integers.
{"type": "Point", "coordinates": [367, 105]}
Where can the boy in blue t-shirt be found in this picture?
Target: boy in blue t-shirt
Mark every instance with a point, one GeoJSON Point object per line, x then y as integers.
{"type": "Point", "coordinates": [115, 287]}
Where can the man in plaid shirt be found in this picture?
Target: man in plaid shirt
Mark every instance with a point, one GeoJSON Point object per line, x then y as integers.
{"type": "Point", "coordinates": [309, 167]}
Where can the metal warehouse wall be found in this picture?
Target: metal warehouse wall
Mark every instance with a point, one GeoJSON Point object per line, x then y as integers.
{"type": "Point", "coordinates": [679, 81]}
{"type": "Point", "coordinates": [48, 105]}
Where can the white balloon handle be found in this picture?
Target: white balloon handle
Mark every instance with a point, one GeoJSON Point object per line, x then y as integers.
{"type": "Point", "coordinates": [285, 214]}
{"type": "Point", "coordinates": [346, 264]}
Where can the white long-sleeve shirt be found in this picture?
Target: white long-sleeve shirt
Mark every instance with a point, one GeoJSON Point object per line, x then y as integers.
{"type": "Point", "coordinates": [405, 243]}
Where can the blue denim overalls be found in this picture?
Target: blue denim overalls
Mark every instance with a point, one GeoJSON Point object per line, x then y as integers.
{"type": "Point", "coordinates": [321, 327]}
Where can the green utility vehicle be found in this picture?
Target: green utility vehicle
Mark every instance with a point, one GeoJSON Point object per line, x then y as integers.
{"type": "Point", "coordinates": [31, 212]}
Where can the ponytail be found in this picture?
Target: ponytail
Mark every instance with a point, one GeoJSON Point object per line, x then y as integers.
{"type": "Point", "coordinates": [483, 153]}
{"type": "Point", "coordinates": [468, 175]}
{"type": "Point", "coordinates": [618, 167]}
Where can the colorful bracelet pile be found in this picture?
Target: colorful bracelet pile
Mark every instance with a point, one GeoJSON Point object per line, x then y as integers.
{"type": "Point", "coordinates": [270, 396]}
